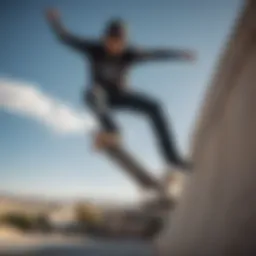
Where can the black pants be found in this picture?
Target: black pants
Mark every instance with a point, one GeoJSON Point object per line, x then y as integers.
{"type": "Point", "coordinates": [103, 101]}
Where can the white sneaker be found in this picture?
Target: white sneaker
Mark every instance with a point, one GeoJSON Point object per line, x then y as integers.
{"type": "Point", "coordinates": [173, 181]}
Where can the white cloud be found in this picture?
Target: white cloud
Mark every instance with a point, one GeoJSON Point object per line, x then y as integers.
{"type": "Point", "coordinates": [26, 99]}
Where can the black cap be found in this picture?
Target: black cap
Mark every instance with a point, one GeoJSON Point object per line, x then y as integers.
{"type": "Point", "coordinates": [115, 28]}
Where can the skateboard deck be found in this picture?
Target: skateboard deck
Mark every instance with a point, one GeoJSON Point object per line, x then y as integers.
{"type": "Point", "coordinates": [132, 166]}
{"type": "Point", "coordinates": [112, 147]}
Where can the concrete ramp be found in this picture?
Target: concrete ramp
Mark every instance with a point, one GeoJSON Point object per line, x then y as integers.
{"type": "Point", "coordinates": [216, 215]}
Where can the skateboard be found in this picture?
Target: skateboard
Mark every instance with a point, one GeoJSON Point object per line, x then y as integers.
{"type": "Point", "coordinates": [113, 148]}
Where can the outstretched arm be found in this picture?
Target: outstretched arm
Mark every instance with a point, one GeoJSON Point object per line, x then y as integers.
{"type": "Point", "coordinates": [53, 18]}
{"type": "Point", "coordinates": [161, 54]}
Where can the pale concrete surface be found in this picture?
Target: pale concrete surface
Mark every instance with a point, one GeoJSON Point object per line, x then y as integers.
{"type": "Point", "coordinates": [86, 248]}
{"type": "Point", "coordinates": [216, 215]}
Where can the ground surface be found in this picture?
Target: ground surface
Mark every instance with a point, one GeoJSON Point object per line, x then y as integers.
{"type": "Point", "coordinates": [85, 247]}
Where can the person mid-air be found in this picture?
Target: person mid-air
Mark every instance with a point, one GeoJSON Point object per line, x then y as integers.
{"type": "Point", "coordinates": [110, 59]}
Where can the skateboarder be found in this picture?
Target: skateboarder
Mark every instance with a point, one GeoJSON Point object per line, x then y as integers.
{"type": "Point", "coordinates": [110, 59]}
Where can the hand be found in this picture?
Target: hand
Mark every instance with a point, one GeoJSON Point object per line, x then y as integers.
{"type": "Point", "coordinates": [52, 14]}
{"type": "Point", "coordinates": [189, 55]}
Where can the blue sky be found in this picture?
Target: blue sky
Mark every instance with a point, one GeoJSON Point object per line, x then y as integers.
{"type": "Point", "coordinates": [36, 159]}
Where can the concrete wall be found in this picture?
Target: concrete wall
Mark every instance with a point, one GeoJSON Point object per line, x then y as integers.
{"type": "Point", "coordinates": [217, 214]}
